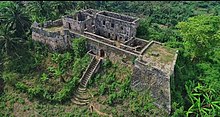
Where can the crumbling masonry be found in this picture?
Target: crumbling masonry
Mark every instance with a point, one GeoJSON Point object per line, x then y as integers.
{"type": "Point", "coordinates": [111, 35]}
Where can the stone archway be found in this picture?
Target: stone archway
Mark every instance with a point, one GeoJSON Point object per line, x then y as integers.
{"type": "Point", "coordinates": [101, 53]}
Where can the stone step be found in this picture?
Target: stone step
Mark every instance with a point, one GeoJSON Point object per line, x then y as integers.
{"type": "Point", "coordinates": [80, 91]}
{"type": "Point", "coordinates": [84, 81]}
{"type": "Point", "coordinates": [80, 99]}
{"type": "Point", "coordinates": [88, 73]}
{"type": "Point", "coordinates": [83, 85]}
{"type": "Point", "coordinates": [79, 103]}
{"type": "Point", "coordinates": [81, 88]}
{"type": "Point", "coordinates": [87, 76]}
{"type": "Point", "coordinates": [83, 95]}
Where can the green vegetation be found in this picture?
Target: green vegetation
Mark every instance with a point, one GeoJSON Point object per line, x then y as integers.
{"type": "Point", "coordinates": [111, 90]}
{"type": "Point", "coordinates": [202, 33]}
{"type": "Point", "coordinates": [166, 55]}
{"type": "Point", "coordinates": [79, 47]}
{"type": "Point", "coordinates": [37, 82]}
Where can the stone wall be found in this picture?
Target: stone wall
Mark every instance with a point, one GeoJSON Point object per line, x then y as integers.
{"type": "Point", "coordinates": [138, 44]}
{"type": "Point", "coordinates": [111, 52]}
{"type": "Point", "coordinates": [118, 16]}
{"type": "Point", "coordinates": [146, 77]}
{"type": "Point", "coordinates": [55, 23]}
{"type": "Point", "coordinates": [71, 24]}
{"type": "Point", "coordinates": [113, 28]}
{"type": "Point", "coordinates": [77, 24]}
{"type": "Point", "coordinates": [89, 25]}
{"type": "Point", "coordinates": [55, 40]}
{"type": "Point", "coordinates": [90, 12]}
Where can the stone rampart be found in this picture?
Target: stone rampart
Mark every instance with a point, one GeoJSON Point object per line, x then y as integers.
{"type": "Point", "coordinates": [146, 77]}
{"type": "Point", "coordinates": [55, 40]}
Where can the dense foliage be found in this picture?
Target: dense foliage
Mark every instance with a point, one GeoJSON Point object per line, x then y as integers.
{"type": "Point", "coordinates": [112, 89]}
{"type": "Point", "coordinates": [191, 27]}
{"type": "Point", "coordinates": [79, 47]}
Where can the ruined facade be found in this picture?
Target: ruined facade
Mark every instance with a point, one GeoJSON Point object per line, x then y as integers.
{"type": "Point", "coordinates": [111, 35]}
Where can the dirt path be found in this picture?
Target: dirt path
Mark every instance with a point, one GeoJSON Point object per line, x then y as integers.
{"type": "Point", "coordinates": [92, 108]}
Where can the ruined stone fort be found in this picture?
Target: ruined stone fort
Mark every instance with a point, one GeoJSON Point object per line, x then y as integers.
{"type": "Point", "coordinates": [112, 35]}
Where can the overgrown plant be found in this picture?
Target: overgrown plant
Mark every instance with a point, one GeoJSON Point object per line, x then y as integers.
{"type": "Point", "coordinates": [79, 47]}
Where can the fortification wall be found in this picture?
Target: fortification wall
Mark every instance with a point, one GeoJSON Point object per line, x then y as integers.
{"type": "Point", "coordinates": [51, 23]}
{"type": "Point", "coordinates": [146, 77]}
{"type": "Point", "coordinates": [55, 40]}
{"type": "Point", "coordinates": [113, 53]}
{"type": "Point", "coordinates": [95, 45]}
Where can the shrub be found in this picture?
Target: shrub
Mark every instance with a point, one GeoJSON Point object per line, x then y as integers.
{"type": "Point", "coordinates": [36, 91]}
{"type": "Point", "coordinates": [107, 63]}
{"type": "Point", "coordinates": [142, 30]}
{"type": "Point", "coordinates": [66, 91]}
{"type": "Point", "coordinates": [102, 89]}
{"type": "Point", "coordinates": [79, 47]}
{"type": "Point", "coordinates": [110, 78]}
{"type": "Point", "coordinates": [10, 77]}
{"type": "Point", "coordinates": [111, 98]}
{"type": "Point", "coordinates": [21, 86]}
{"type": "Point", "coordinates": [44, 77]}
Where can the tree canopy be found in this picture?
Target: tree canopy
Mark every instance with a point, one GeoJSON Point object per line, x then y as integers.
{"type": "Point", "coordinates": [201, 35]}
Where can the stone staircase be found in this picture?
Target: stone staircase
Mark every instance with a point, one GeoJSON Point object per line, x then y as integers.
{"type": "Point", "coordinates": [81, 97]}
{"type": "Point", "coordinates": [89, 72]}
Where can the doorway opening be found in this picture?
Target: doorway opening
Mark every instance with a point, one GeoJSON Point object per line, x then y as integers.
{"type": "Point", "coordinates": [69, 26]}
{"type": "Point", "coordinates": [101, 53]}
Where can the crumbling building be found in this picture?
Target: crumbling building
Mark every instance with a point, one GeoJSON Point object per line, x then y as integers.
{"type": "Point", "coordinates": [112, 35]}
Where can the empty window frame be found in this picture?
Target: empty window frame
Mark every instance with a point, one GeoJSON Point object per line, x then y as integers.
{"type": "Point", "coordinates": [103, 22]}
{"type": "Point", "coordinates": [112, 25]}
